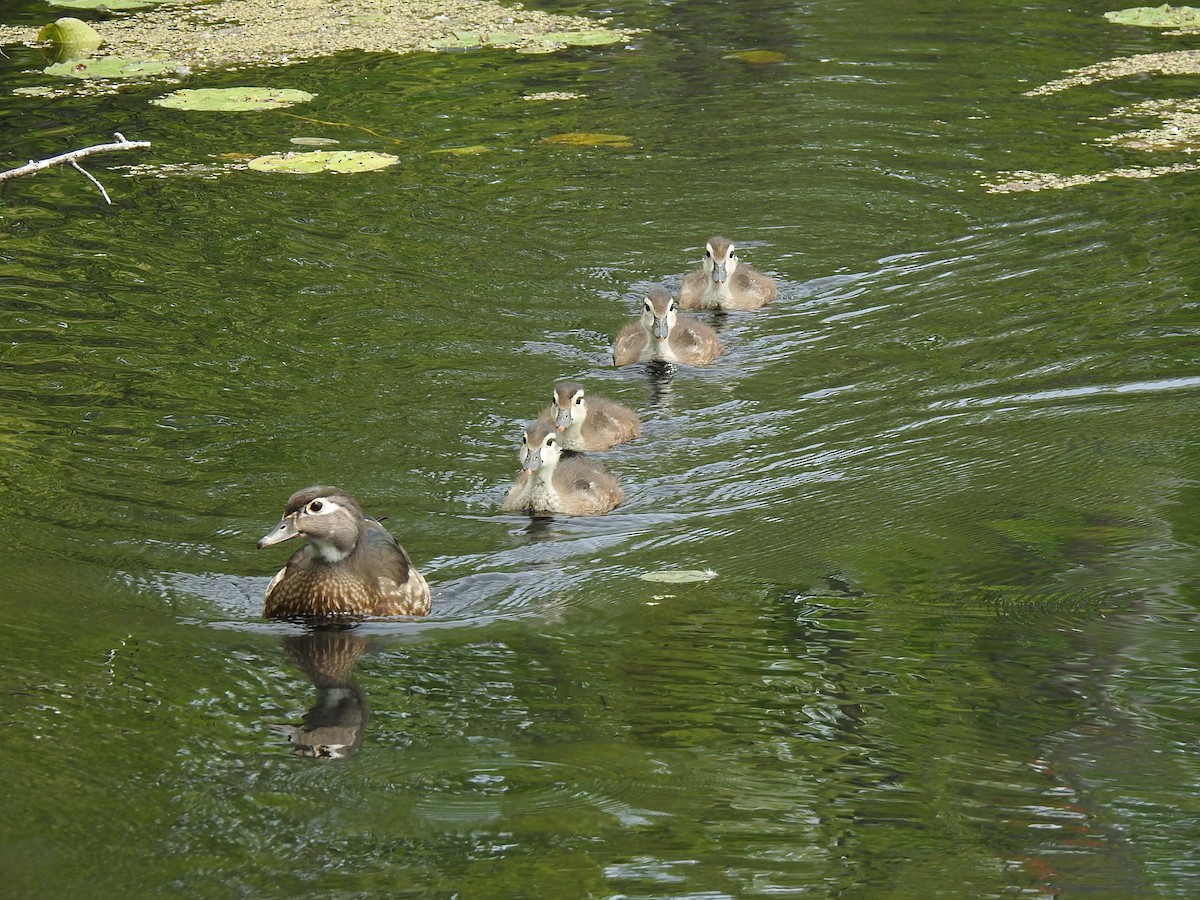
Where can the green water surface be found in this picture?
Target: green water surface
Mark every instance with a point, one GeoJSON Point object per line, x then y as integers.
{"type": "Point", "coordinates": [947, 481]}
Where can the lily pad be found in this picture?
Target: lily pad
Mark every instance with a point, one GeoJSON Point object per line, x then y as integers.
{"type": "Point", "coordinates": [757, 57]}
{"type": "Point", "coordinates": [236, 99]}
{"type": "Point", "coordinates": [108, 67]}
{"type": "Point", "coordinates": [314, 141]}
{"type": "Point", "coordinates": [341, 161]}
{"type": "Point", "coordinates": [463, 151]}
{"type": "Point", "coordinates": [38, 91]}
{"type": "Point", "coordinates": [589, 139]}
{"type": "Point", "coordinates": [1164, 16]}
{"type": "Point", "coordinates": [679, 576]}
{"type": "Point", "coordinates": [70, 38]}
{"type": "Point", "coordinates": [114, 5]}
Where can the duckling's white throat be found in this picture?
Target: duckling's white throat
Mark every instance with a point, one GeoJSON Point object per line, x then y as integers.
{"type": "Point", "coordinates": [716, 294]}
{"type": "Point", "coordinates": [541, 492]}
{"type": "Point", "coordinates": [662, 350]}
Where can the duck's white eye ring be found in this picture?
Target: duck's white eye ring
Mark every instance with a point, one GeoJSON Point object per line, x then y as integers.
{"type": "Point", "coordinates": [579, 400]}
{"type": "Point", "coordinates": [314, 506]}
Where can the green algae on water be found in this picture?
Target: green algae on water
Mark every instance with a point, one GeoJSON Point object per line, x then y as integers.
{"type": "Point", "coordinates": [284, 32]}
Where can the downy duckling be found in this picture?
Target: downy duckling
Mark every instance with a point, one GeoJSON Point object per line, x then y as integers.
{"type": "Point", "coordinates": [550, 483]}
{"type": "Point", "coordinates": [588, 424]}
{"type": "Point", "coordinates": [664, 335]}
{"type": "Point", "coordinates": [350, 564]}
{"type": "Point", "coordinates": [724, 282]}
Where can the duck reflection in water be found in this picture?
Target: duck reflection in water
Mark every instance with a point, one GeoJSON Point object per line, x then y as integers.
{"type": "Point", "coordinates": [333, 728]}
{"type": "Point", "coordinates": [662, 392]}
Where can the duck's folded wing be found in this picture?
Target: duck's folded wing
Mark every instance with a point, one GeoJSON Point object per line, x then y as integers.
{"type": "Point", "coordinates": [628, 346]}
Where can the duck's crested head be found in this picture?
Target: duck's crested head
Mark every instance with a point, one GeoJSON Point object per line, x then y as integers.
{"type": "Point", "coordinates": [327, 517]}
{"type": "Point", "coordinates": [659, 313]}
{"type": "Point", "coordinates": [305, 496]}
{"type": "Point", "coordinates": [569, 406]}
{"type": "Point", "coordinates": [720, 259]}
{"type": "Point", "coordinates": [541, 449]}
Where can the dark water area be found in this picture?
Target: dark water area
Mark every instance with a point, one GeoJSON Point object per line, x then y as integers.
{"type": "Point", "coordinates": [947, 481]}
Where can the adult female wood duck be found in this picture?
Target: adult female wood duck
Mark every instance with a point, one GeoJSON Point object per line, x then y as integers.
{"type": "Point", "coordinates": [350, 564]}
{"type": "Point", "coordinates": [550, 483]}
{"type": "Point", "coordinates": [588, 424]}
{"type": "Point", "coordinates": [724, 282]}
{"type": "Point", "coordinates": [661, 333]}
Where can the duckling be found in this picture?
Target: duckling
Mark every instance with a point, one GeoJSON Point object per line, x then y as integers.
{"type": "Point", "coordinates": [351, 565]}
{"type": "Point", "coordinates": [723, 282]}
{"type": "Point", "coordinates": [662, 334]}
{"type": "Point", "coordinates": [591, 424]}
{"type": "Point", "coordinates": [550, 483]}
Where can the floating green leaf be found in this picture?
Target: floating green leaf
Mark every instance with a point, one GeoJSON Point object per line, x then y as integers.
{"type": "Point", "coordinates": [463, 151]}
{"type": "Point", "coordinates": [314, 141]}
{"type": "Point", "coordinates": [108, 67]}
{"type": "Point", "coordinates": [342, 161]}
{"type": "Point", "coordinates": [114, 5]}
{"type": "Point", "coordinates": [235, 99]}
{"type": "Point", "coordinates": [757, 57]}
{"type": "Point", "coordinates": [589, 139]}
{"type": "Point", "coordinates": [1157, 16]}
{"type": "Point", "coordinates": [38, 91]}
{"type": "Point", "coordinates": [679, 576]}
{"type": "Point", "coordinates": [70, 38]}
